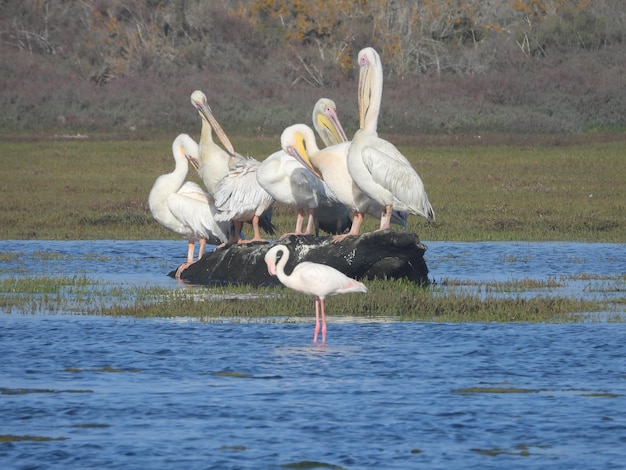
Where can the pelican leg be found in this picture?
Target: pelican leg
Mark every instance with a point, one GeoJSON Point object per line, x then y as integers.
{"type": "Point", "coordinates": [357, 220]}
{"type": "Point", "coordinates": [317, 319]}
{"type": "Point", "coordinates": [191, 247]}
{"type": "Point", "coordinates": [385, 218]}
{"type": "Point", "coordinates": [298, 229]}
{"type": "Point", "coordinates": [255, 229]}
{"type": "Point", "coordinates": [310, 223]}
{"type": "Point", "coordinates": [201, 248]}
{"type": "Point", "coordinates": [236, 234]}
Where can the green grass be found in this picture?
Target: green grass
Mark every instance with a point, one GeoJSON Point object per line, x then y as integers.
{"type": "Point", "coordinates": [98, 188]}
{"type": "Point", "coordinates": [393, 300]}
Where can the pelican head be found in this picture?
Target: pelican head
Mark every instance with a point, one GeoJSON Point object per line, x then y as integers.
{"type": "Point", "coordinates": [186, 146]}
{"type": "Point", "coordinates": [199, 101]}
{"type": "Point", "coordinates": [294, 143]}
{"type": "Point", "coordinates": [327, 123]}
{"type": "Point", "coordinates": [370, 76]}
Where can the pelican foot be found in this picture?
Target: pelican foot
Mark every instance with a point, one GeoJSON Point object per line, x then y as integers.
{"type": "Point", "coordinates": [181, 268]}
{"type": "Point", "coordinates": [342, 237]}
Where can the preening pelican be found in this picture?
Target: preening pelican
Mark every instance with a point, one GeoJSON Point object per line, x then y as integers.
{"type": "Point", "coordinates": [313, 279]}
{"type": "Point", "coordinates": [326, 122]}
{"type": "Point", "coordinates": [226, 176]}
{"type": "Point", "coordinates": [331, 164]}
{"type": "Point", "coordinates": [213, 161]}
{"type": "Point", "coordinates": [184, 207]}
{"type": "Point", "coordinates": [291, 183]}
{"type": "Point", "coordinates": [376, 165]}
{"type": "Point", "coordinates": [240, 198]}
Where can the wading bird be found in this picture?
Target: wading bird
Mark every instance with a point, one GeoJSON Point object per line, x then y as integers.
{"type": "Point", "coordinates": [313, 279]}
{"type": "Point", "coordinates": [376, 165]}
{"type": "Point", "coordinates": [184, 207]}
{"type": "Point", "coordinates": [330, 164]}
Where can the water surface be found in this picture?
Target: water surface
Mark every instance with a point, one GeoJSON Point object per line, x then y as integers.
{"type": "Point", "coordinates": [86, 392]}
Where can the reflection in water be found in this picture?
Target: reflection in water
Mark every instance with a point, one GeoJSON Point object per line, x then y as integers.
{"type": "Point", "coordinates": [86, 392]}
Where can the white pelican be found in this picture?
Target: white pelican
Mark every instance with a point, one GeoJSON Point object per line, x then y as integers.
{"type": "Point", "coordinates": [226, 176]}
{"type": "Point", "coordinates": [331, 164]}
{"type": "Point", "coordinates": [240, 198]}
{"type": "Point", "coordinates": [376, 165]}
{"type": "Point", "coordinates": [291, 183]}
{"type": "Point", "coordinates": [184, 207]}
{"type": "Point", "coordinates": [313, 279]}
{"type": "Point", "coordinates": [326, 122]}
{"type": "Point", "coordinates": [213, 161]}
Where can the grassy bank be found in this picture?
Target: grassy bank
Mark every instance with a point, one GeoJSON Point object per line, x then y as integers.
{"type": "Point", "coordinates": [480, 188]}
{"type": "Point", "coordinates": [390, 300]}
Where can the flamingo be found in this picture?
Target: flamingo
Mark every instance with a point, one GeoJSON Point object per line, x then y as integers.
{"type": "Point", "coordinates": [376, 165]}
{"type": "Point", "coordinates": [291, 183]}
{"type": "Point", "coordinates": [184, 207]}
{"type": "Point", "coordinates": [330, 164]}
{"type": "Point", "coordinates": [318, 280]}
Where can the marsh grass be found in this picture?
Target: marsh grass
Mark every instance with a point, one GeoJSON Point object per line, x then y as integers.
{"type": "Point", "coordinates": [391, 300]}
{"type": "Point", "coordinates": [97, 188]}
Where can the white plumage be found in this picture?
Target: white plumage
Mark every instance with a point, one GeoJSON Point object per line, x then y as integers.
{"type": "Point", "coordinates": [376, 165]}
{"type": "Point", "coordinates": [318, 280]}
{"type": "Point", "coordinates": [184, 207]}
{"type": "Point", "coordinates": [291, 183]}
{"type": "Point", "coordinates": [331, 163]}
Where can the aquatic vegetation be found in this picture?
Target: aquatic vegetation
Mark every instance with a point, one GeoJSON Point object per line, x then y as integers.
{"type": "Point", "coordinates": [398, 299]}
{"type": "Point", "coordinates": [13, 438]}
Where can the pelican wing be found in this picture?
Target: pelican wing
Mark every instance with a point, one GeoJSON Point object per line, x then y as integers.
{"type": "Point", "coordinates": [196, 211]}
{"type": "Point", "coordinates": [390, 169]}
{"type": "Point", "coordinates": [239, 195]}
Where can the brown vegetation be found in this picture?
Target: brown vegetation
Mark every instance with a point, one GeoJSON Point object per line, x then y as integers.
{"type": "Point", "coordinates": [452, 66]}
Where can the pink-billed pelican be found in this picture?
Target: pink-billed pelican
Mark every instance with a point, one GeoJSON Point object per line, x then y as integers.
{"type": "Point", "coordinates": [291, 183]}
{"type": "Point", "coordinates": [313, 279]}
{"type": "Point", "coordinates": [331, 165]}
{"type": "Point", "coordinates": [184, 207]}
{"type": "Point", "coordinates": [376, 165]}
{"type": "Point", "coordinates": [213, 161]}
{"type": "Point", "coordinates": [226, 176]}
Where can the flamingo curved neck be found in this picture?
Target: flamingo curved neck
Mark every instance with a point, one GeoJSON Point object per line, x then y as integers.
{"type": "Point", "coordinates": [282, 262]}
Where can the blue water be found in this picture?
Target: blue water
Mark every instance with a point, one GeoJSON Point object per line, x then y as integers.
{"type": "Point", "coordinates": [91, 392]}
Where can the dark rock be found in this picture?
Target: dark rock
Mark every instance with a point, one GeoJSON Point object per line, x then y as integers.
{"type": "Point", "coordinates": [386, 254]}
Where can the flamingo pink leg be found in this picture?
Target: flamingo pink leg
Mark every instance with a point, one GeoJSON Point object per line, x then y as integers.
{"type": "Point", "coordinates": [323, 320]}
{"type": "Point", "coordinates": [317, 319]}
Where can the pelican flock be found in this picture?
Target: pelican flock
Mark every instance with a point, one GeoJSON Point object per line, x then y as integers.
{"type": "Point", "coordinates": [290, 182]}
{"type": "Point", "coordinates": [365, 175]}
{"type": "Point", "coordinates": [331, 165]}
